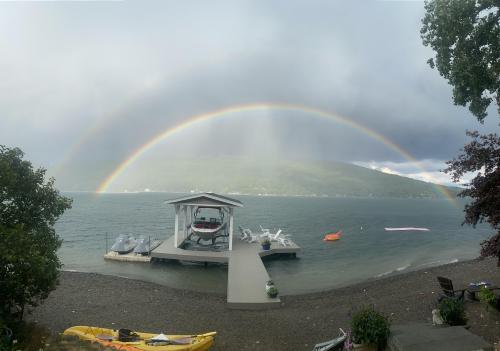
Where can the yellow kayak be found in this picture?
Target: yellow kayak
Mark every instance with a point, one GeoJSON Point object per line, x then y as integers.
{"type": "Point", "coordinates": [127, 340]}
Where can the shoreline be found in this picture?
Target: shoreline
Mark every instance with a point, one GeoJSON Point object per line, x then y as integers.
{"type": "Point", "coordinates": [386, 275]}
{"type": "Point", "coordinates": [301, 321]}
{"type": "Point", "coordinates": [325, 196]}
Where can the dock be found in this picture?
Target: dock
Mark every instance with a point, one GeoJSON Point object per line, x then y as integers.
{"type": "Point", "coordinates": [130, 257]}
{"type": "Point", "coordinates": [167, 250]}
{"type": "Point", "coordinates": [247, 276]}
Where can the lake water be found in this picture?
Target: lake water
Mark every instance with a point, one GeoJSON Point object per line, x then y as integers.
{"type": "Point", "coordinates": [365, 251]}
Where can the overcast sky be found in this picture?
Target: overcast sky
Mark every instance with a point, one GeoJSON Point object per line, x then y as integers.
{"type": "Point", "coordinates": [87, 81]}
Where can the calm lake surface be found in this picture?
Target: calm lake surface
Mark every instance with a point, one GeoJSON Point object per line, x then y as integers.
{"type": "Point", "coordinates": [365, 251]}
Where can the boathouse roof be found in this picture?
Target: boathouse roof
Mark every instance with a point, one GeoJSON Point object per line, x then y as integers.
{"type": "Point", "coordinates": [206, 199]}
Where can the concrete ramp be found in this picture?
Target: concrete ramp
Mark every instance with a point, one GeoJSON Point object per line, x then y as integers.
{"type": "Point", "coordinates": [247, 276]}
{"type": "Point", "coordinates": [425, 337]}
{"type": "Point", "coordinates": [246, 283]}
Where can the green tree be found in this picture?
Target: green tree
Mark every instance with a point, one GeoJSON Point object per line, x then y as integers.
{"type": "Point", "coordinates": [465, 35]}
{"type": "Point", "coordinates": [29, 208]}
{"type": "Point", "coordinates": [481, 155]}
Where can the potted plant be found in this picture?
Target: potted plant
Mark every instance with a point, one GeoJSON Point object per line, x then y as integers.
{"type": "Point", "coordinates": [272, 292]}
{"type": "Point", "coordinates": [453, 312]}
{"type": "Point", "coordinates": [488, 298]}
{"type": "Point", "coordinates": [266, 244]}
{"type": "Point", "coordinates": [370, 330]}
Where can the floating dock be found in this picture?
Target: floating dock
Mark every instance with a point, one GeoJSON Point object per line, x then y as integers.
{"type": "Point", "coordinates": [247, 276]}
{"type": "Point", "coordinates": [130, 257]}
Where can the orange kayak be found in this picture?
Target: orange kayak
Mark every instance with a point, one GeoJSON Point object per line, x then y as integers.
{"type": "Point", "coordinates": [332, 236]}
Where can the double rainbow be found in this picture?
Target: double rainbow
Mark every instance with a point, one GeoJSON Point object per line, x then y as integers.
{"type": "Point", "coordinates": [234, 110]}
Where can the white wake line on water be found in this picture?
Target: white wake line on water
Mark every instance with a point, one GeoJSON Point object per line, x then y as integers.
{"type": "Point", "coordinates": [427, 264]}
{"type": "Point", "coordinates": [399, 269]}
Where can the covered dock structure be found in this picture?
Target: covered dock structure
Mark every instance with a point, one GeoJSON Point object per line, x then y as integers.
{"type": "Point", "coordinates": [247, 275]}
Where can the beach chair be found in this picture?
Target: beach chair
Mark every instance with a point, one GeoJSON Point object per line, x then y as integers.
{"type": "Point", "coordinates": [243, 235]}
{"type": "Point", "coordinates": [336, 344]}
{"type": "Point", "coordinates": [247, 235]}
{"type": "Point", "coordinates": [448, 290]}
{"type": "Point", "coordinates": [284, 240]}
{"type": "Point", "coordinates": [252, 238]}
{"type": "Point", "coordinates": [274, 237]}
{"type": "Point", "coordinates": [264, 230]}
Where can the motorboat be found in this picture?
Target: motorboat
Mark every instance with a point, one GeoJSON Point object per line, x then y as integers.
{"type": "Point", "coordinates": [208, 228]}
{"type": "Point", "coordinates": [124, 244]}
{"type": "Point", "coordinates": [127, 340]}
{"type": "Point", "coordinates": [146, 245]}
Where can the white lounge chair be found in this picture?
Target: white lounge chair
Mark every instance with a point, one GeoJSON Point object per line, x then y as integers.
{"type": "Point", "coordinates": [334, 344]}
{"type": "Point", "coordinates": [248, 235]}
{"type": "Point", "coordinates": [252, 238]}
{"type": "Point", "coordinates": [284, 240]}
{"type": "Point", "coordinates": [276, 236]}
{"type": "Point", "coordinates": [243, 234]}
{"type": "Point", "coordinates": [264, 230]}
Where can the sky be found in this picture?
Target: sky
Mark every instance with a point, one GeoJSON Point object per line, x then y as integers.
{"type": "Point", "coordinates": [85, 84]}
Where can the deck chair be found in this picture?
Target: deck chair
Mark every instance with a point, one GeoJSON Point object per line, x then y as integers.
{"type": "Point", "coordinates": [448, 290]}
{"type": "Point", "coordinates": [247, 235]}
{"type": "Point", "coordinates": [264, 230]}
{"type": "Point", "coordinates": [274, 237]}
{"type": "Point", "coordinates": [334, 344]}
{"type": "Point", "coordinates": [284, 241]}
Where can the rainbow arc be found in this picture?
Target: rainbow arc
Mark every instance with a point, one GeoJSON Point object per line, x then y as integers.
{"type": "Point", "coordinates": [233, 112]}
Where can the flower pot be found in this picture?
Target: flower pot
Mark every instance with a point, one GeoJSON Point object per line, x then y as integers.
{"type": "Point", "coordinates": [266, 246]}
{"type": "Point", "coordinates": [273, 295]}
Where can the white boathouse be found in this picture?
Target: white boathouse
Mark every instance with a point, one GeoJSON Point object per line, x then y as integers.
{"type": "Point", "coordinates": [247, 275]}
{"type": "Point", "coordinates": [186, 207]}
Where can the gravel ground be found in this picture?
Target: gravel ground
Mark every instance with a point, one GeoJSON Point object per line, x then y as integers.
{"type": "Point", "coordinates": [302, 320]}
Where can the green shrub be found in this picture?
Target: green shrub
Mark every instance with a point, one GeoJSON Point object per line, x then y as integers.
{"type": "Point", "coordinates": [272, 291]}
{"type": "Point", "coordinates": [370, 327]}
{"type": "Point", "coordinates": [487, 297]}
{"type": "Point", "coordinates": [5, 338]}
{"type": "Point", "coordinates": [452, 311]}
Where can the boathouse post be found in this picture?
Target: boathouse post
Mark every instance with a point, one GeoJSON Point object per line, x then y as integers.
{"type": "Point", "coordinates": [176, 226]}
{"type": "Point", "coordinates": [184, 224]}
{"type": "Point", "coordinates": [190, 218]}
{"type": "Point", "coordinates": [230, 228]}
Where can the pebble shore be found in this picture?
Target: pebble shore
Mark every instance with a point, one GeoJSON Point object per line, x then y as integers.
{"type": "Point", "coordinates": [302, 320]}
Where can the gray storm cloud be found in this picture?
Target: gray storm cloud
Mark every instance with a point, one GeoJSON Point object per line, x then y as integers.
{"type": "Point", "coordinates": [109, 76]}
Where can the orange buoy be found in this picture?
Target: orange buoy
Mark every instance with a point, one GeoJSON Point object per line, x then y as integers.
{"type": "Point", "coordinates": [332, 236]}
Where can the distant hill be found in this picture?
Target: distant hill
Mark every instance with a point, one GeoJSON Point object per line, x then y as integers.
{"type": "Point", "coordinates": [283, 177]}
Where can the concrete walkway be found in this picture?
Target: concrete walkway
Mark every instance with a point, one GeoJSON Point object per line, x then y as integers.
{"type": "Point", "coordinates": [425, 337]}
{"type": "Point", "coordinates": [247, 276]}
{"type": "Point", "coordinates": [246, 279]}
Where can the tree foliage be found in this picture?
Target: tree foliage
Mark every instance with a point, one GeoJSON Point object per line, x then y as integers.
{"type": "Point", "coordinates": [29, 208]}
{"type": "Point", "coordinates": [481, 155]}
{"type": "Point", "coordinates": [465, 35]}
